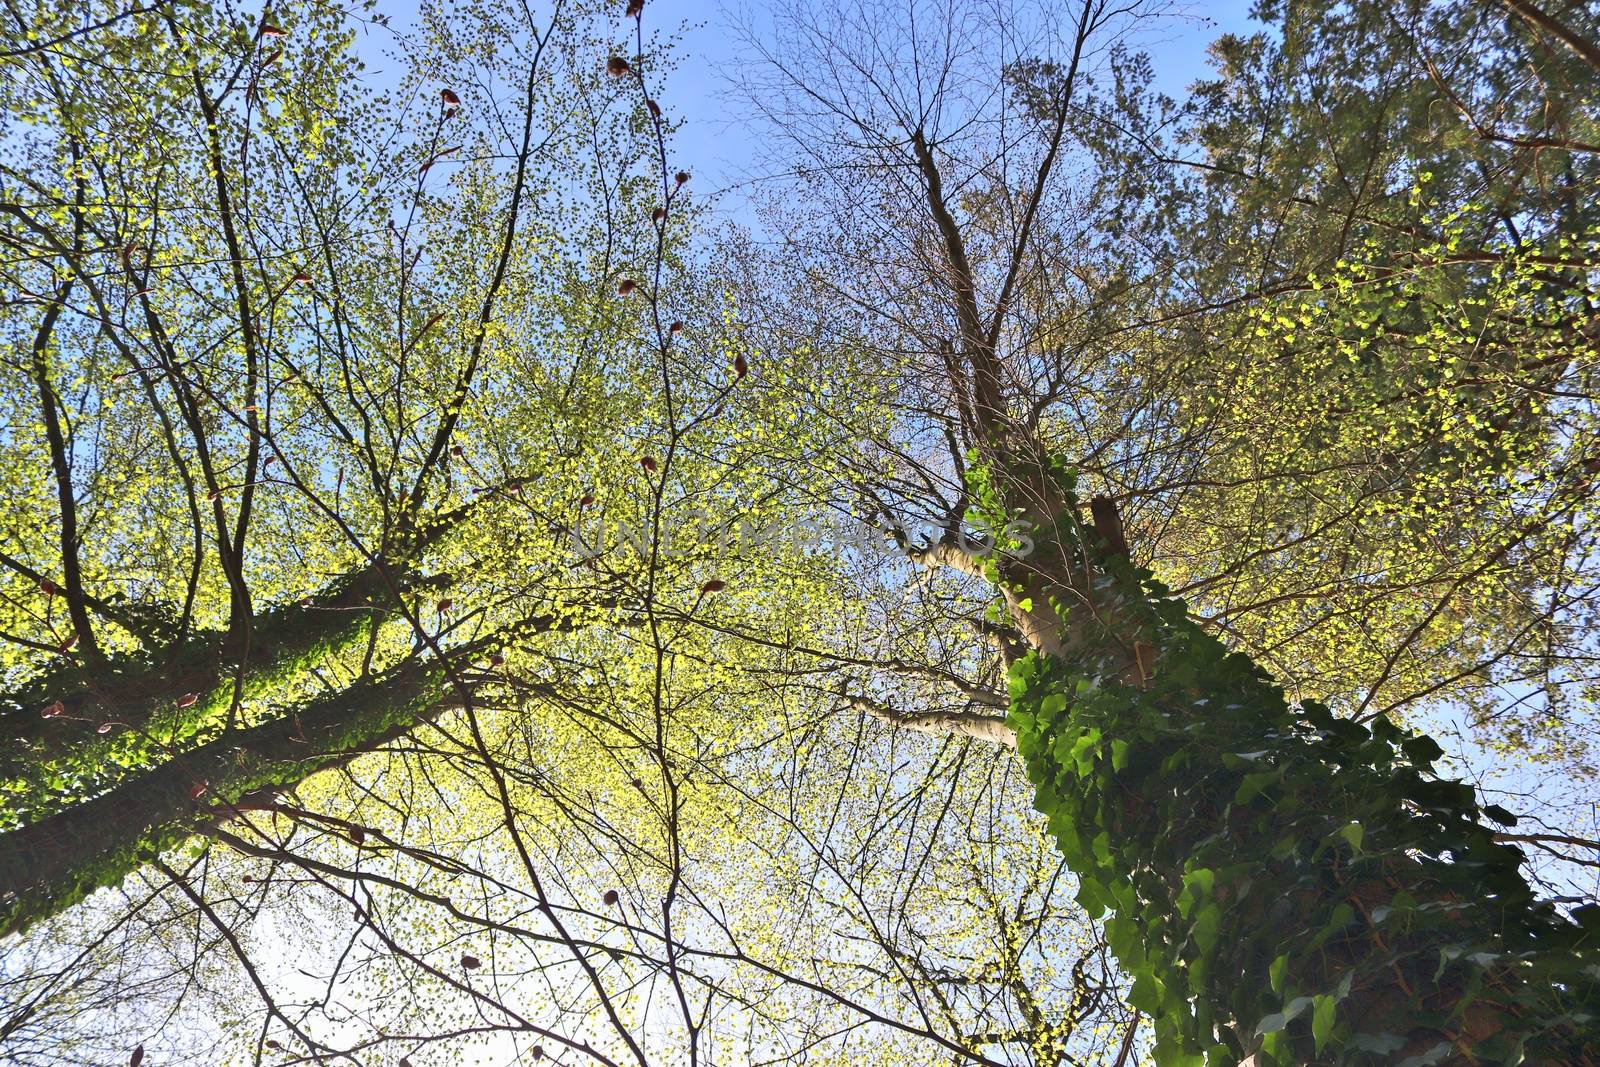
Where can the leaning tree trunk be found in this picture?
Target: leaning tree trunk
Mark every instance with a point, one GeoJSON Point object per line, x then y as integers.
{"type": "Point", "coordinates": [53, 863]}
{"type": "Point", "coordinates": [72, 731]}
{"type": "Point", "coordinates": [135, 688]}
{"type": "Point", "coordinates": [1283, 886]}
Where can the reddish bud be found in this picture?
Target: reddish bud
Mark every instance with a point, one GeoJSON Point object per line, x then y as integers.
{"type": "Point", "coordinates": [655, 108]}
{"type": "Point", "coordinates": [55, 710]}
{"type": "Point", "coordinates": [66, 646]}
{"type": "Point", "coordinates": [611, 896]}
{"type": "Point", "coordinates": [628, 285]}
{"type": "Point", "coordinates": [714, 586]}
{"type": "Point", "coordinates": [658, 214]}
{"type": "Point", "coordinates": [681, 177]}
{"type": "Point", "coordinates": [358, 835]}
{"type": "Point", "coordinates": [137, 1057]}
{"type": "Point", "coordinates": [457, 451]}
{"type": "Point", "coordinates": [445, 605]}
{"type": "Point", "coordinates": [648, 463]}
{"type": "Point", "coordinates": [47, 587]}
{"type": "Point", "coordinates": [616, 66]}
{"type": "Point", "coordinates": [471, 963]}
{"type": "Point", "coordinates": [740, 366]}
{"type": "Point", "coordinates": [497, 660]}
{"type": "Point", "coordinates": [273, 1044]}
{"type": "Point", "coordinates": [538, 1052]}
{"type": "Point", "coordinates": [198, 790]}
{"type": "Point", "coordinates": [450, 98]}
{"type": "Point", "coordinates": [301, 278]}
{"type": "Point", "coordinates": [586, 500]}
{"type": "Point", "coordinates": [188, 700]}
{"type": "Point", "coordinates": [675, 328]}
{"type": "Point", "coordinates": [103, 728]}
{"type": "Point", "coordinates": [635, 8]}
{"type": "Point", "coordinates": [269, 30]}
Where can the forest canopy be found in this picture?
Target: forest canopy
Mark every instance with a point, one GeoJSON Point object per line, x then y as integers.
{"type": "Point", "coordinates": [1049, 567]}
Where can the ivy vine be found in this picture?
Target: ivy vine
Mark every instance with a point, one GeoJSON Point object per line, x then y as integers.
{"type": "Point", "coordinates": [1282, 882]}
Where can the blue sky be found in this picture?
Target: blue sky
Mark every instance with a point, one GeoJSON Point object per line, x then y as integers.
{"type": "Point", "coordinates": [712, 143]}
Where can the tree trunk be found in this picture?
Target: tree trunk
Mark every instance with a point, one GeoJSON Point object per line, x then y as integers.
{"type": "Point", "coordinates": [137, 688]}
{"type": "Point", "coordinates": [51, 864]}
{"type": "Point", "coordinates": [1284, 886]}
{"type": "Point", "coordinates": [158, 699]}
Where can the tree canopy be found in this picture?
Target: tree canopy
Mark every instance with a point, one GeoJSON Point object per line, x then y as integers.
{"type": "Point", "coordinates": [462, 597]}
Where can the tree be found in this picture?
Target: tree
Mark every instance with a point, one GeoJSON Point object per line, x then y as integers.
{"type": "Point", "coordinates": [1152, 746]}
{"type": "Point", "coordinates": [605, 735]}
{"type": "Point", "coordinates": [484, 661]}
{"type": "Point", "coordinates": [1385, 197]}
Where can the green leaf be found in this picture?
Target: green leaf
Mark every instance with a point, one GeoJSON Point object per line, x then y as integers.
{"type": "Point", "coordinates": [1500, 815]}
{"type": "Point", "coordinates": [1091, 897]}
{"type": "Point", "coordinates": [1276, 971]}
{"type": "Point", "coordinates": [1322, 1018]}
{"type": "Point", "coordinates": [1207, 926]}
{"type": "Point", "coordinates": [1280, 1019]}
{"type": "Point", "coordinates": [1119, 755]}
{"type": "Point", "coordinates": [1145, 994]}
{"type": "Point", "coordinates": [1428, 1058]}
{"type": "Point", "coordinates": [1421, 750]}
{"type": "Point", "coordinates": [1102, 846]}
{"type": "Point", "coordinates": [1253, 784]}
{"type": "Point", "coordinates": [1196, 887]}
{"type": "Point", "coordinates": [1380, 1043]}
{"type": "Point", "coordinates": [1354, 834]}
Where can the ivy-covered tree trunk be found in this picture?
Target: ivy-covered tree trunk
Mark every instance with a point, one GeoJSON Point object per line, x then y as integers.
{"type": "Point", "coordinates": [52, 863]}
{"type": "Point", "coordinates": [1283, 886]}
{"type": "Point", "coordinates": [60, 713]}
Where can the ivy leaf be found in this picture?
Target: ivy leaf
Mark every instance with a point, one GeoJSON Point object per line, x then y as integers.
{"type": "Point", "coordinates": [1276, 971]}
{"type": "Point", "coordinates": [1322, 1018]}
{"type": "Point", "coordinates": [1381, 1043]}
{"type": "Point", "coordinates": [1252, 786]}
{"type": "Point", "coordinates": [1500, 815]}
{"type": "Point", "coordinates": [1091, 898]}
{"type": "Point", "coordinates": [1354, 834]}
{"type": "Point", "coordinates": [1196, 887]}
{"type": "Point", "coordinates": [1280, 1019]}
{"type": "Point", "coordinates": [1421, 750]}
{"type": "Point", "coordinates": [1428, 1058]}
{"type": "Point", "coordinates": [1207, 926]}
{"type": "Point", "coordinates": [1145, 994]}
